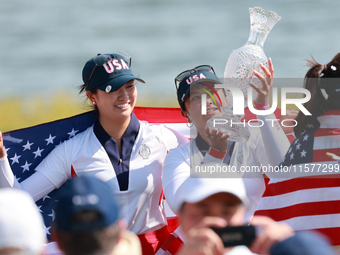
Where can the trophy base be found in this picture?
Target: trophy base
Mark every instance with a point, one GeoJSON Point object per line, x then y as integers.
{"type": "Point", "coordinates": [235, 136]}
{"type": "Point", "coordinates": [238, 133]}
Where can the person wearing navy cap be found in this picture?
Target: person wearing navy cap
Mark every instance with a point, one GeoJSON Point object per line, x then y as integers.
{"type": "Point", "coordinates": [118, 149]}
{"type": "Point", "coordinates": [211, 146]}
{"type": "Point", "coordinates": [87, 220]}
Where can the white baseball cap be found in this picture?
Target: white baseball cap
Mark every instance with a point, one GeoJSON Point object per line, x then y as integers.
{"type": "Point", "coordinates": [21, 224]}
{"type": "Point", "coordinates": [194, 190]}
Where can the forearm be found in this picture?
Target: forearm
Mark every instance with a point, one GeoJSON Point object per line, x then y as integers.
{"type": "Point", "coordinates": [172, 180]}
{"type": "Point", "coordinates": [37, 185]}
{"type": "Point", "coordinates": [2, 147]}
{"type": "Point", "coordinates": [7, 178]}
{"type": "Point", "coordinates": [275, 141]}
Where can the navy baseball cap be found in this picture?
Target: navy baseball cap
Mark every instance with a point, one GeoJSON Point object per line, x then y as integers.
{"type": "Point", "coordinates": [85, 194]}
{"type": "Point", "coordinates": [108, 72]}
{"type": "Point", "coordinates": [191, 79]}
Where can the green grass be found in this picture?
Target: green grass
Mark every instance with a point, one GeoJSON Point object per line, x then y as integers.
{"type": "Point", "coordinates": [18, 112]}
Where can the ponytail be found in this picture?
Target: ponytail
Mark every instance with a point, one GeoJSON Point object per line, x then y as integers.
{"type": "Point", "coordinates": [318, 103]}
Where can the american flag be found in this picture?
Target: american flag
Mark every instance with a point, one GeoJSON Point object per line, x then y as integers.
{"type": "Point", "coordinates": [26, 148]}
{"type": "Point", "coordinates": [301, 150]}
{"type": "Point", "coordinates": [305, 192]}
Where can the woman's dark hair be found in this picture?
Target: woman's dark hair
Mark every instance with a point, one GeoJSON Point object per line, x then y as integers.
{"type": "Point", "coordinates": [101, 241]}
{"type": "Point", "coordinates": [82, 88]}
{"type": "Point", "coordinates": [314, 78]}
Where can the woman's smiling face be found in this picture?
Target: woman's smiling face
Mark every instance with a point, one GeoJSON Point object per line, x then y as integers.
{"type": "Point", "coordinates": [193, 104]}
{"type": "Point", "coordinates": [118, 104]}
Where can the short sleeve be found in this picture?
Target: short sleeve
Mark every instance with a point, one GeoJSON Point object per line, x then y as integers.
{"type": "Point", "coordinates": [170, 137]}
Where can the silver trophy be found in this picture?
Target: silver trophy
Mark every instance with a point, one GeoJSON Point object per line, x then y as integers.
{"type": "Point", "coordinates": [244, 60]}
{"type": "Point", "coordinates": [239, 72]}
{"type": "Point", "coordinates": [230, 124]}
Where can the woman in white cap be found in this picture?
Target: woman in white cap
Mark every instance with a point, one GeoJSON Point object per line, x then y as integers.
{"type": "Point", "coordinates": [118, 149]}
{"type": "Point", "coordinates": [21, 224]}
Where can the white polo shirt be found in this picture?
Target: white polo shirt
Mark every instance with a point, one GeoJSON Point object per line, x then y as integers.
{"type": "Point", "coordinates": [178, 163]}
{"type": "Point", "coordinates": [141, 203]}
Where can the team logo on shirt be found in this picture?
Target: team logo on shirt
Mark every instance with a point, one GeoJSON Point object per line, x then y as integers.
{"type": "Point", "coordinates": [144, 151]}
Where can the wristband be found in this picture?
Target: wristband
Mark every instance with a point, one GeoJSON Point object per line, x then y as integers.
{"type": "Point", "coordinates": [216, 153]}
{"type": "Point", "coordinates": [263, 106]}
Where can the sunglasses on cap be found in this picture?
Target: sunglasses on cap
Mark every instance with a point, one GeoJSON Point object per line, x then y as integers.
{"type": "Point", "coordinates": [179, 78]}
{"type": "Point", "coordinates": [101, 59]}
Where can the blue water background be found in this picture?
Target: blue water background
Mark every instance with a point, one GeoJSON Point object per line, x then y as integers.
{"type": "Point", "coordinates": [44, 44]}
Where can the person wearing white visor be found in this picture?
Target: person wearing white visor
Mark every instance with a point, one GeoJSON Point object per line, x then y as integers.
{"type": "Point", "coordinates": [203, 203]}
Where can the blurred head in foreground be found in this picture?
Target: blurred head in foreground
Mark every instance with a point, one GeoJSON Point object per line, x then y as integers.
{"type": "Point", "coordinates": [21, 224]}
{"type": "Point", "coordinates": [87, 220]}
{"type": "Point", "coordinates": [201, 197]}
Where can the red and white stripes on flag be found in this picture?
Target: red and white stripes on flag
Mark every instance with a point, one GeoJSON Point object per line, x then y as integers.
{"type": "Point", "coordinates": [308, 196]}
{"type": "Point", "coordinates": [171, 118]}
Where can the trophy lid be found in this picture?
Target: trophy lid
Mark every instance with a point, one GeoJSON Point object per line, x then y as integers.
{"type": "Point", "coordinates": [262, 18]}
{"type": "Point", "coordinates": [261, 23]}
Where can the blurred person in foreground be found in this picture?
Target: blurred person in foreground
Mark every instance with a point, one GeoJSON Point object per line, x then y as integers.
{"type": "Point", "coordinates": [218, 203]}
{"type": "Point", "coordinates": [88, 220]}
{"type": "Point", "coordinates": [21, 225]}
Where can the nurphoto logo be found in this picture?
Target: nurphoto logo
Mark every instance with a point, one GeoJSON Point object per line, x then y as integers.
{"type": "Point", "coordinates": [238, 105]}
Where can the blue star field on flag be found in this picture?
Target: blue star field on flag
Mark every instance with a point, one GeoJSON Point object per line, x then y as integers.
{"type": "Point", "coordinates": [26, 148]}
{"type": "Point", "coordinates": [301, 149]}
